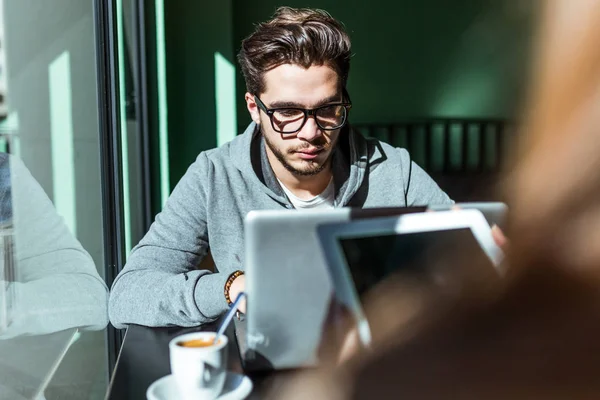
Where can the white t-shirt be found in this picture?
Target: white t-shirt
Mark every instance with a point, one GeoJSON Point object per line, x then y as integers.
{"type": "Point", "coordinates": [323, 200]}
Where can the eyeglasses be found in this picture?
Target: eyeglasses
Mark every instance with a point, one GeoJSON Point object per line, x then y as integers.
{"type": "Point", "coordinates": [288, 120]}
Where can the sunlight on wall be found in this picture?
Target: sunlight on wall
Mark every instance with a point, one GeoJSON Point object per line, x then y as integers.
{"type": "Point", "coordinates": [225, 99]}
{"type": "Point", "coordinates": [162, 101]}
{"type": "Point", "coordinates": [61, 128]}
{"type": "Point", "coordinates": [464, 94]}
{"type": "Point", "coordinates": [124, 134]}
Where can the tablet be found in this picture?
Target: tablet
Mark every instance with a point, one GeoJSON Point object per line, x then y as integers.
{"type": "Point", "coordinates": [495, 212]}
{"type": "Point", "coordinates": [361, 254]}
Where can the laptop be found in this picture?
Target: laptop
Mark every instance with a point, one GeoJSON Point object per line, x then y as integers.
{"type": "Point", "coordinates": [427, 246]}
{"type": "Point", "coordinates": [288, 285]}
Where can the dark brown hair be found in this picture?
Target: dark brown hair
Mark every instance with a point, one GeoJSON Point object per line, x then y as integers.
{"type": "Point", "coordinates": [300, 36]}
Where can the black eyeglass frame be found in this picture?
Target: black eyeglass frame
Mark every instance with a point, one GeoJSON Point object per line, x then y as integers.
{"type": "Point", "coordinates": [307, 112]}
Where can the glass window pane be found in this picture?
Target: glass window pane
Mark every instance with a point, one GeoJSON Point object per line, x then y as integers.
{"type": "Point", "coordinates": [53, 298]}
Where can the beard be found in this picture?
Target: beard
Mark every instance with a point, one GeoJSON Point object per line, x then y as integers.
{"type": "Point", "coordinates": [309, 167]}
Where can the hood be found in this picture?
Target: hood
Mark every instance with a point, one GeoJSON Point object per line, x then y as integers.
{"type": "Point", "coordinates": [349, 163]}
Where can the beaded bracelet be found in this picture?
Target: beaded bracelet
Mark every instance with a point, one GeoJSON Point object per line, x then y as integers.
{"type": "Point", "coordinates": [228, 285]}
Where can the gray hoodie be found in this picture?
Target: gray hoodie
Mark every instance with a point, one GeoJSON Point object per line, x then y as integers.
{"type": "Point", "coordinates": [161, 283]}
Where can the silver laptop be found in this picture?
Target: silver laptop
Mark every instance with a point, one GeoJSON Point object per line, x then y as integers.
{"type": "Point", "coordinates": [288, 284]}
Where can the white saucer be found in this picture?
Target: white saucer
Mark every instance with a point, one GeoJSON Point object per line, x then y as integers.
{"type": "Point", "coordinates": [237, 387]}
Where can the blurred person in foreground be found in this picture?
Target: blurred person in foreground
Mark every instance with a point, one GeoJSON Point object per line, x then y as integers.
{"type": "Point", "coordinates": [536, 334]}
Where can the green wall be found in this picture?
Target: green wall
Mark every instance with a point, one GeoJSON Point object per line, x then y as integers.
{"type": "Point", "coordinates": [194, 32]}
{"type": "Point", "coordinates": [461, 58]}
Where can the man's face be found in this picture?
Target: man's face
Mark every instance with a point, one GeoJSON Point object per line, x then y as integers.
{"type": "Point", "coordinates": [308, 151]}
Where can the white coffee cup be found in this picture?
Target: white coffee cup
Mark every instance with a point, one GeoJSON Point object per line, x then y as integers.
{"type": "Point", "coordinates": [199, 372]}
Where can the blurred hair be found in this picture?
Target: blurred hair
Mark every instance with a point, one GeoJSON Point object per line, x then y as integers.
{"type": "Point", "coordinates": [554, 190]}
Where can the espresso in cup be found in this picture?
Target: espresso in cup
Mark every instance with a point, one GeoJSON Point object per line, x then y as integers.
{"type": "Point", "coordinates": [198, 343]}
{"type": "Point", "coordinates": [198, 366]}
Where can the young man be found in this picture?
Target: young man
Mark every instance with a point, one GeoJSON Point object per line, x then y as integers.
{"type": "Point", "coordinates": [298, 152]}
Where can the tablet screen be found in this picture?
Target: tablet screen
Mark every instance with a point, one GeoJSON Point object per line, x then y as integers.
{"type": "Point", "coordinates": [427, 256]}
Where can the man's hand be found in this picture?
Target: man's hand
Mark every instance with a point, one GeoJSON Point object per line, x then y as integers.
{"type": "Point", "coordinates": [351, 346]}
{"type": "Point", "coordinates": [238, 286]}
{"type": "Point", "coordinates": [499, 237]}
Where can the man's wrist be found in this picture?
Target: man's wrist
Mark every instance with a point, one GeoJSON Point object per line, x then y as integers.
{"type": "Point", "coordinates": [228, 284]}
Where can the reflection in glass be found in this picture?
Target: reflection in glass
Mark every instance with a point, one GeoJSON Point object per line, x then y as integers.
{"type": "Point", "coordinates": [56, 283]}
{"type": "Point", "coordinates": [50, 285]}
